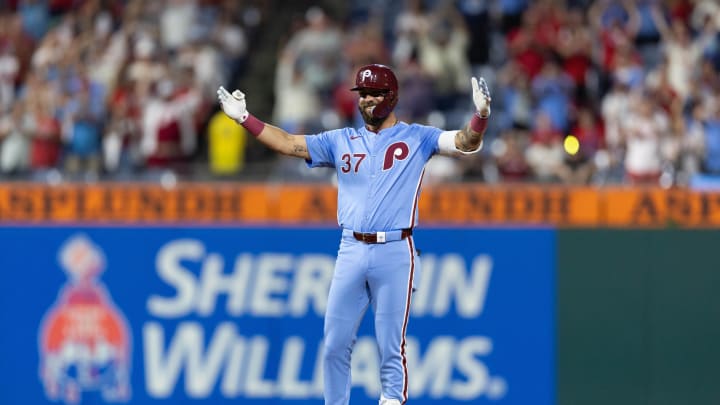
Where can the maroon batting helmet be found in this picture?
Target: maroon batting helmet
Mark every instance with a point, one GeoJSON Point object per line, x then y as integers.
{"type": "Point", "coordinates": [378, 77]}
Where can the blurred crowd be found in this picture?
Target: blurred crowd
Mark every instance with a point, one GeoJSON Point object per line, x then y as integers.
{"type": "Point", "coordinates": [584, 92]}
{"type": "Point", "coordinates": [97, 89]}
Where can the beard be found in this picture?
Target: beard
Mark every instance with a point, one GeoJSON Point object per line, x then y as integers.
{"type": "Point", "coordinates": [368, 117]}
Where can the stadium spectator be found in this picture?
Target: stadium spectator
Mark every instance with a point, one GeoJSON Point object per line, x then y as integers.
{"type": "Point", "coordinates": [693, 145]}
{"type": "Point", "coordinates": [615, 25]}
{"type": "Point", "coordinates": [411, 24]}
{"type": "Point", "coordinates": [11, 32]}
{"type": "Point", "coordinates": [508, 151]}
{"type": "Point", "coordinates": [579, 165]}
{"type": "Point", "coordinates": [82, 136]}
{"type": "Point", "coordinates": [643, 130]}
{"type": "Point", "coordinates": [545, 153]}
{"type": "Point", "coordinates": [45, 147]}
{"type": "Point", "coordinates": [35, 16]}
{"type": "Point", "coordinates": [226, 145]}
{"type": "Point", "coordinates": [522, 46]}
{"type": "Point", "coordinates": [574, 46]}
{"type": "Point", "coordinates": [167, 141]}
{"type": "Point", "coordinates": [417, 100]}
{"type": "Point", "coordinates": [442, 54]}
{"type": "Point", "coordinates": [9, 72]}
{"type": "Point", "coordinates": [296, 101]}
{"type": "Point", "coordinates": [681, 50]}
{"type": "Point", "coordinates": [317, 47]}
{"type": "Point", "coordinates": [232, 41]}
{"type": "Point", "coordinates": [514, 96]}
{"type": "Point", "coordinates": [552, 90]}
{"type": "Point", "coordinates": [15, 128]}
{"type": "Point", "coordinates": [121, 155]}
{"type": "Point", "coordinates": [704, 135]}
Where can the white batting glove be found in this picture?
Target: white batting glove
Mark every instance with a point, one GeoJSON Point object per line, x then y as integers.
{"type": "Point", "coordinates": [233, 104]}
{"type": "Point", "coordinates": [481, 97]}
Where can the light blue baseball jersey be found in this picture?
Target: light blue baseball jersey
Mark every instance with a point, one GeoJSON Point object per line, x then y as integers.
{"type": "Point", "coordinates": [379, 175]}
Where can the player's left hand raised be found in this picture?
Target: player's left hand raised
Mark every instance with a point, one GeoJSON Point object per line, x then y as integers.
{"type": "Point", "coordinates": [233, 104]}
{"type": "Point", "coordinates": [481, 97]}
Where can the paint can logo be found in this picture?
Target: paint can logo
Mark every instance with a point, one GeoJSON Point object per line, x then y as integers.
{"type": "Point", "coordinates": [84, 339]}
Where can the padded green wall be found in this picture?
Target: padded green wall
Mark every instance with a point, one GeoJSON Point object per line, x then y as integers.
{"type": "Point", "coordinates": [638, 317]}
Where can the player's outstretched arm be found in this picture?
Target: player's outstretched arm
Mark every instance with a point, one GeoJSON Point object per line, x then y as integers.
{"type": "Point", "coordinates": [469, 138]}
{"type": "Point", "coordinates": [275, 138]}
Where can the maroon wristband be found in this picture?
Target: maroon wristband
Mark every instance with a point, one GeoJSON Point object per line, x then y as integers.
{"type": "Point", "coordinates": [253, 125]}
{"type": "Point", "coordinates": [478, 123]}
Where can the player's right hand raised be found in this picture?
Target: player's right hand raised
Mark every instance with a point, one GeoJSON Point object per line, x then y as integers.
{"type": "Point", "coordinates": [233, 104]}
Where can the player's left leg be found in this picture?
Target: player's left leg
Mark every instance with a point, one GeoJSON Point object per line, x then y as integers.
{"type": "Point", "coordinates": [393, 267]}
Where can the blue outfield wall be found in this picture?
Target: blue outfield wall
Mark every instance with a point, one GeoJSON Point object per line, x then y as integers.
{"type": "Point", "coordinates": [233, 315]}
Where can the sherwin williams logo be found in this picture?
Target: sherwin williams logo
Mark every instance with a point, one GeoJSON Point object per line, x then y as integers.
{"type": "Point", "coordinates": [84, 339]}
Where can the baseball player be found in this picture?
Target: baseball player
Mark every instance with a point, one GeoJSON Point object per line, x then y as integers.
{"type": "Point", "coordinates": [379, 169]}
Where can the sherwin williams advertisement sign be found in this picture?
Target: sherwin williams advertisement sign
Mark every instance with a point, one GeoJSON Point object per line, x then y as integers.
{"type": "Point", "coordinates": [235, 315]}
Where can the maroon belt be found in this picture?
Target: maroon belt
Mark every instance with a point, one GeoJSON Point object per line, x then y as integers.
{"type": "Point", "coordinates": [372, 237]}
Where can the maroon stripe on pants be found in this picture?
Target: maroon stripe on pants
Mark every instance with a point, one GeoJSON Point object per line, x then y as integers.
{"type": "Point", "coordinates": [407, 316]}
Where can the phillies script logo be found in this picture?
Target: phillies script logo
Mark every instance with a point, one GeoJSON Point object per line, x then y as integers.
{"type": "Point", "coordinates": [84, 339]}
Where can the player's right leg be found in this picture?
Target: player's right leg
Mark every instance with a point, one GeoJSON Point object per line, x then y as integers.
{"type": "Point", "coordinates": [347, 302]}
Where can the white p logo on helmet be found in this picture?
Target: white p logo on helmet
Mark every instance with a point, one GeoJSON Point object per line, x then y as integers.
{"type": "Point", "coordinates": [366, 74]}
